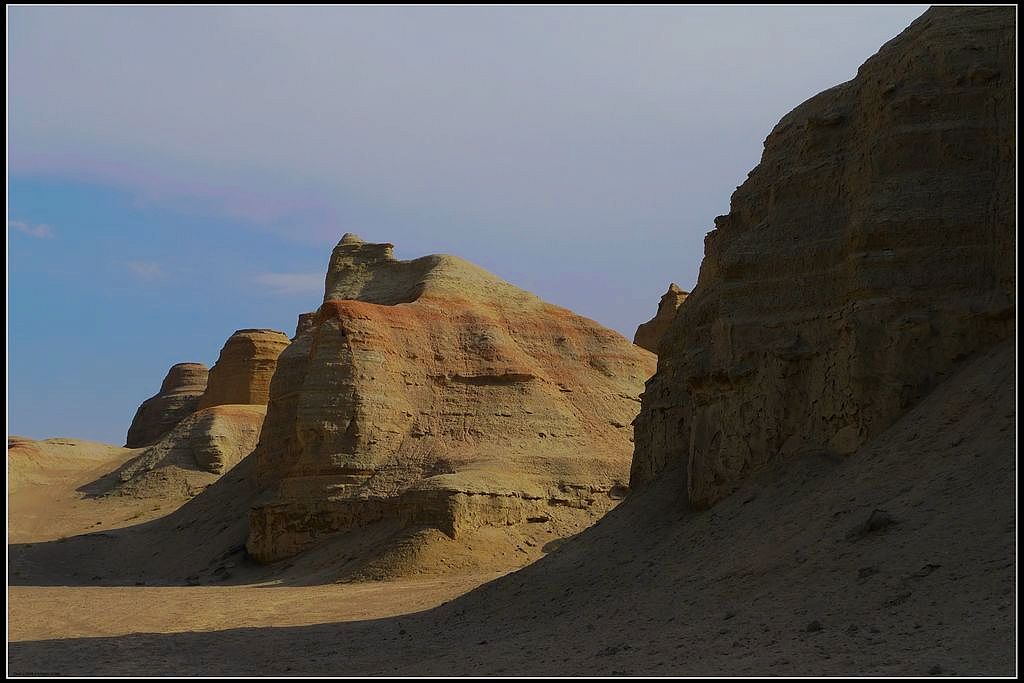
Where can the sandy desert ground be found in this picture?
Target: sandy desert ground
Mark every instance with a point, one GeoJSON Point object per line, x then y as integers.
{"type": "Point", "coordinates": [48, 504]}
{"type": "Point", "coordinates": [822, 565]}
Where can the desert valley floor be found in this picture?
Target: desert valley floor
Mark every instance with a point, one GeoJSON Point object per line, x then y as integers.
{"type": "Point", "coordinates": [787, 576]}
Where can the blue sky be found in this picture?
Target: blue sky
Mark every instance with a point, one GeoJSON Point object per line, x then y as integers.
{"type": "Point", "coordinates": [175, 174]}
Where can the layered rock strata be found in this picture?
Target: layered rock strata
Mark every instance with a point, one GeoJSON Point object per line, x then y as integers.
{"type": "Point", "coordinates": [649, 334]}
{"type": "Point", "coordinates": [243, 370]}
{"type": "Point", "coordinates": [194, 454]}
{"type": "Point", "coordinates": [178, 398]}
{"type": "Point", "coordinates": [869, 252]}
{"type": "Point", "coordinates": [434, 393]}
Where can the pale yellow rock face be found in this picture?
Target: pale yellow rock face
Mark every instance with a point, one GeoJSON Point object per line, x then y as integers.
{"type": "Point", "coordinates": [243, 370]}
{"type": "Point", "coordinates": [869, 252]}
{"type": "Point", "coordinates": [432, 392]}
{"type": "Point", "coordinates": [178, 398]}
{"type": "Point", "coordinates": [193, 455]}
{"type": "Point", "coordinates": [649, 334]}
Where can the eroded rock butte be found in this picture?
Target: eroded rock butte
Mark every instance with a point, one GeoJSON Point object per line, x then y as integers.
{"type": "Point", "coordinates": [432, 392]}
{"type": "Point", "coordinates": [178, 398]}
{"type": "Point", "coordinates": [241, 375]}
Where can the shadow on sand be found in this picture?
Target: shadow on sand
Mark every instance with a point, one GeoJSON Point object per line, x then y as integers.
{"type": "Point", "coordinates": [516, 624]}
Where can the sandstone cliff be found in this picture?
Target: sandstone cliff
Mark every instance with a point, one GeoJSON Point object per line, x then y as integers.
{"type": "Point", "coordinates": [649, 334]}
{"type": "Point", "coordinates": [243, 370]}
{"type": "Point", "coordinates": [432, 393]}
{"type": "Point", "coordinates": [868, 253]}
{"type": "Point", "coordinates": [177, 399]}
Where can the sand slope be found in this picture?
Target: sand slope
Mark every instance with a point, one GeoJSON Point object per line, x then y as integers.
{"type": "Point", "coordinates": [783, 577]}
{"type": "Point", "coordinates": [47, 489]}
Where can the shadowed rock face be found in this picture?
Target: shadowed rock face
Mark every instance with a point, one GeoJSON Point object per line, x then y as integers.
{"type": "Point", "coordinates": [649, 334]}
{"type": "Point", "coordinates": [306, 323]}
{"type": "Point", "coordinates": [178, 398]}
{"type": "Point", "coordinates": [242, 373]}
{"type": "Point", "coordinates": [869, 251]}
{"type": "Point", "coordinates": [433, 392]}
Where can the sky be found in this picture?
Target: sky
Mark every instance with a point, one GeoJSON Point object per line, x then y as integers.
{"type": "Point", "coordinates": [177, 173]}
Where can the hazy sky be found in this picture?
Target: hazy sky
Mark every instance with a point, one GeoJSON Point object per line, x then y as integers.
{"type": "Point", "coordinates": [175, 174]}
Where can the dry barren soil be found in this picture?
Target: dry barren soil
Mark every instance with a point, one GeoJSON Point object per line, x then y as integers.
{"type": "Point", "coordinates": [896, 560]}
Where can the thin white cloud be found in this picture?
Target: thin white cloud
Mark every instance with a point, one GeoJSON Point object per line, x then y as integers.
{"type": "Point", "coordinates": [292, 283]}
{"type": "Point", "coordinates": [40, 231]}
{"type": "Point", "coordinates": [145, 270]}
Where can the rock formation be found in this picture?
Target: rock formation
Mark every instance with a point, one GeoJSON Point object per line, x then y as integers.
{"type": "Point", "coordinates": [432, 393]}
{"type": "Point", "coordinates": [869, 252]}
{"type": "Point", "coordinates": [199, 449]}
{"type": "Point", "coordinates": [243, 370]}
{"type": "Point", "coordinates": [649, 334]}
{"type": "Point", "coordinates": [306, 323]}
{"type": "Point", "coordinates": [177, 399]}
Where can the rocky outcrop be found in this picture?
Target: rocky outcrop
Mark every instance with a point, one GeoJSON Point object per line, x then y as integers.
{"type": "Point", "coordinates": [178, 398]}
{"type": "Point", "coordinates": [241, 376]}
{"type": "Point", "coordinates": [306, 323]}
{"type": "Point", "coordinates": [868, 253]}
{"type": "Point", "coordinates": [243, 370]}
{"type": "Point", "coordinates": [222, 435]}
{"type": "Point", "coordinates": [649, 334]}
{"type": "Point", "coordinates": [430, 392]}
{"type": "Point", "coordinates": [191, 456]}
